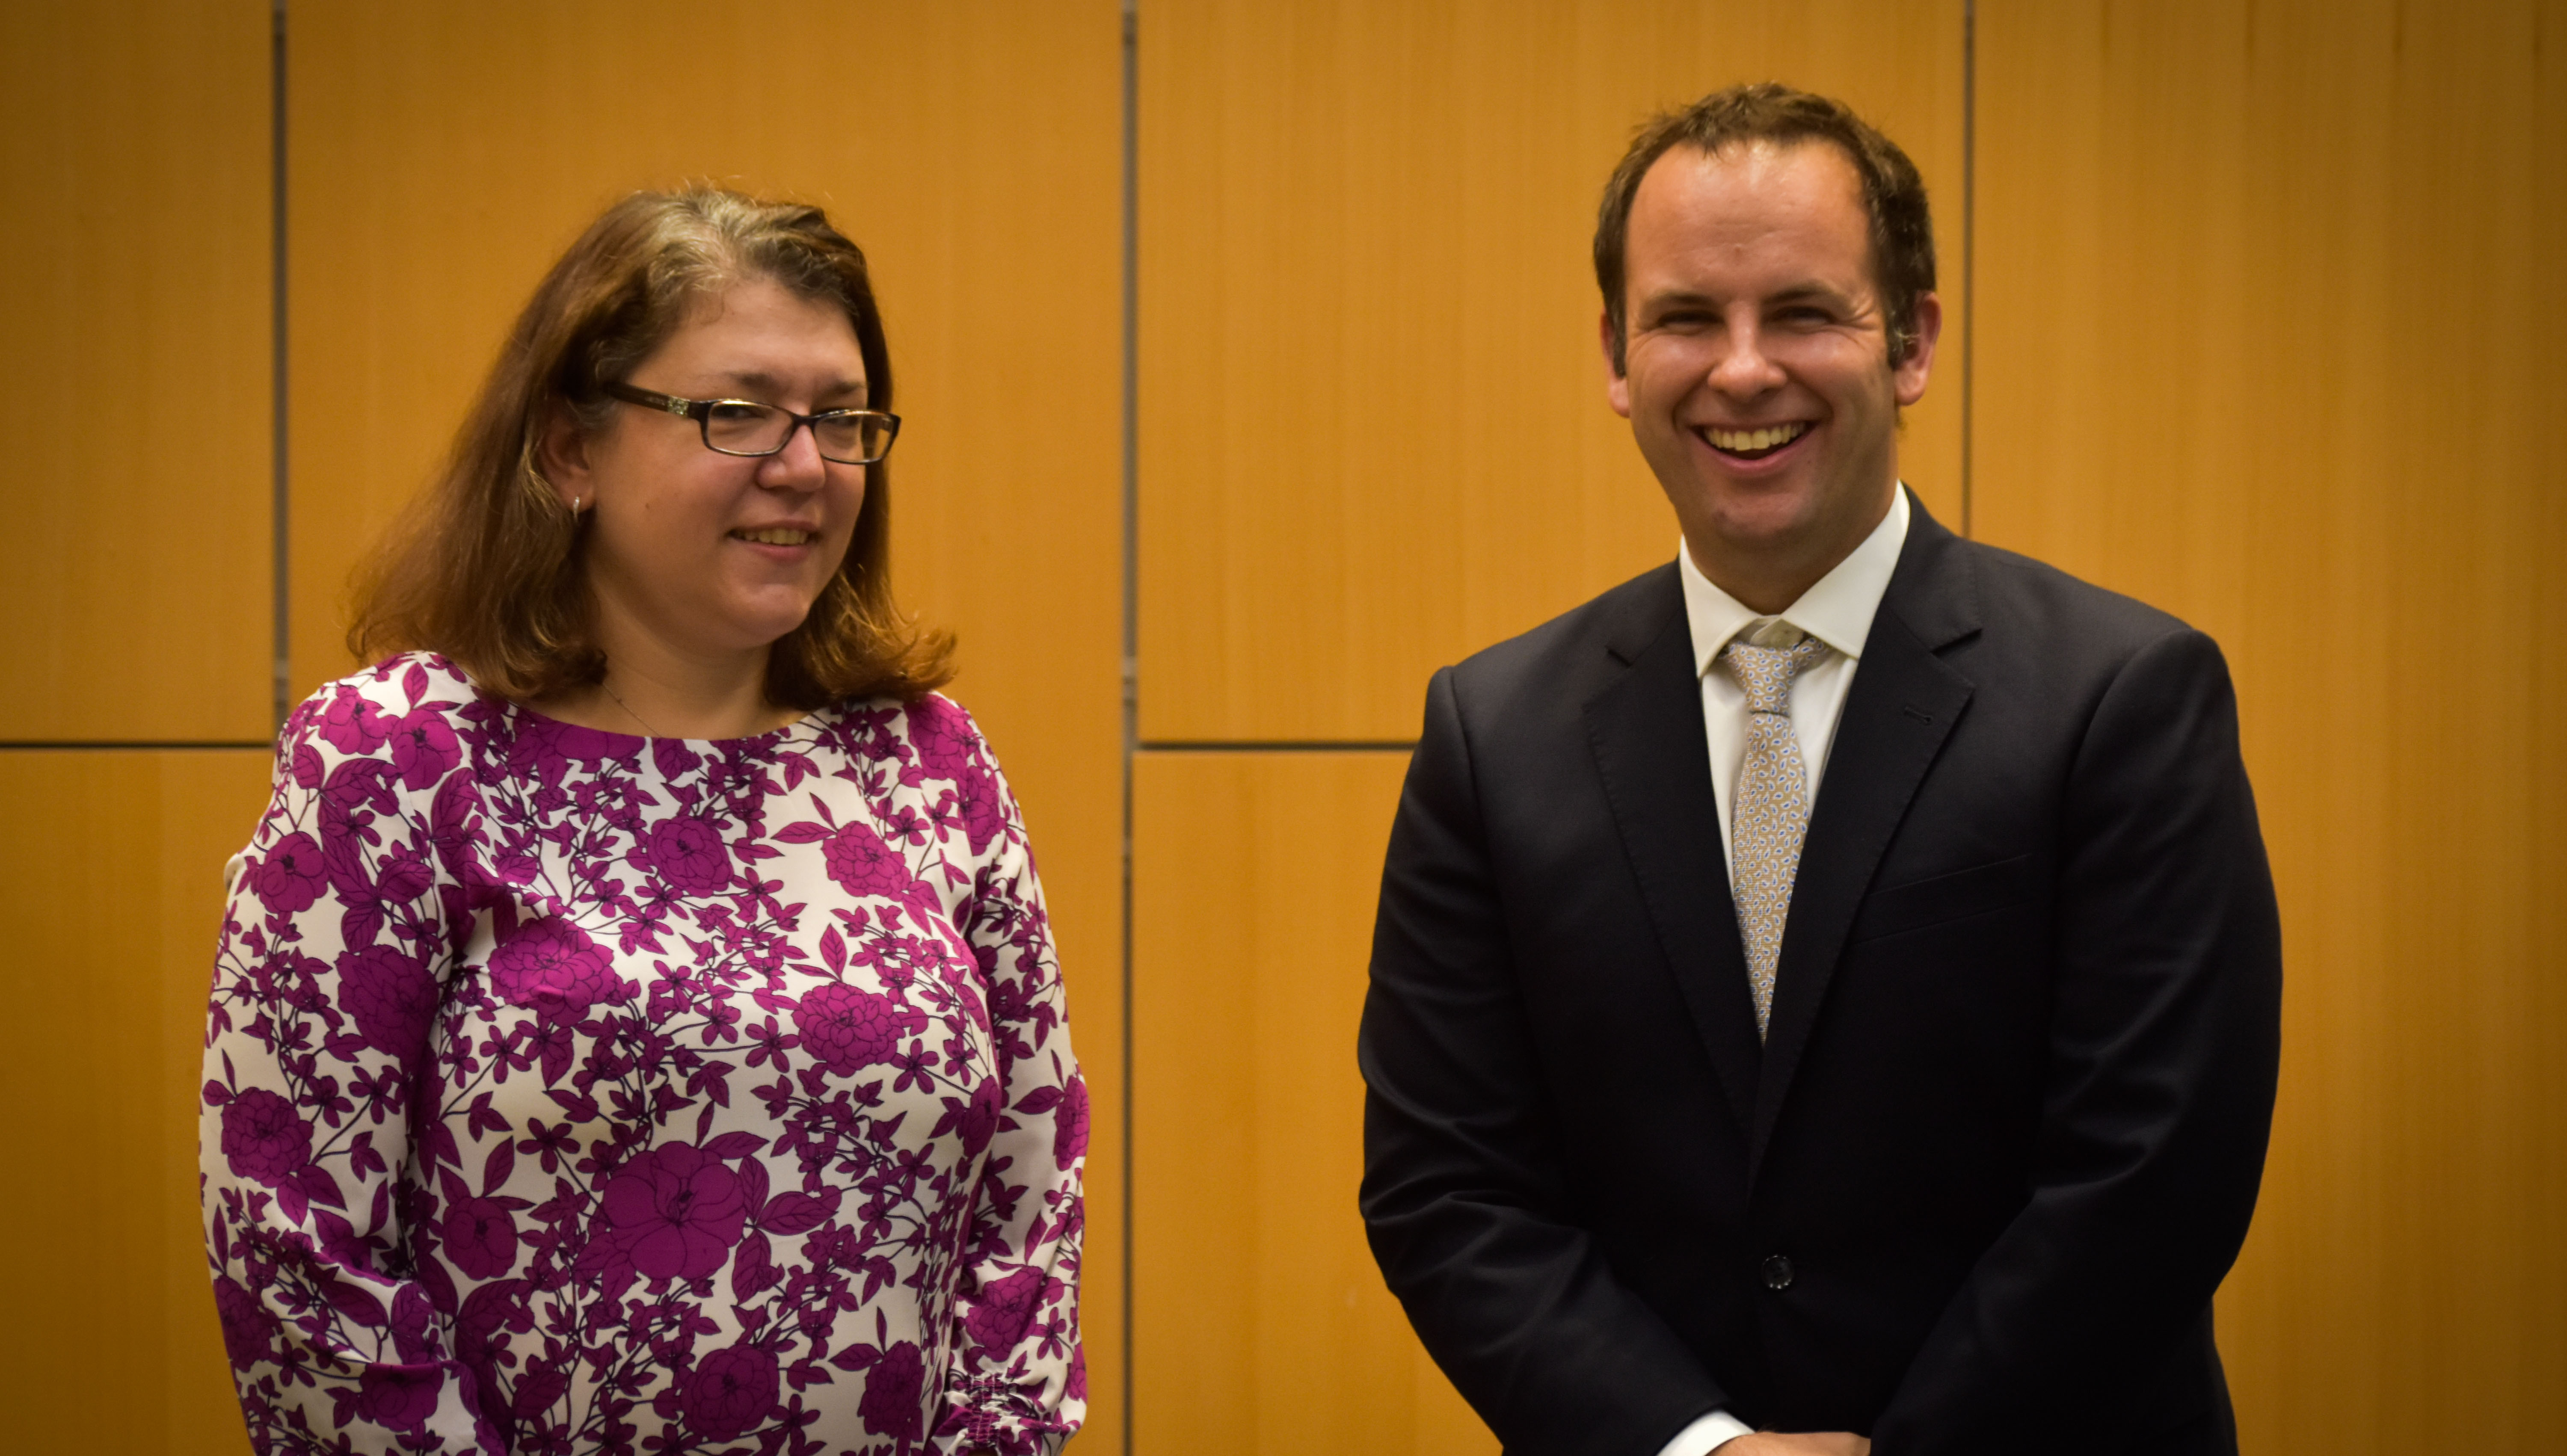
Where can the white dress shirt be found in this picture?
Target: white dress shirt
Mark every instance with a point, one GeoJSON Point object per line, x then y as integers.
{"type": "Point", "coordinates": [1838, 611]}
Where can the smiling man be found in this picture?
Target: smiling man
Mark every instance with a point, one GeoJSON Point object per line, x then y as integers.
{"type": "Point", "coordinates": [1826, 990]}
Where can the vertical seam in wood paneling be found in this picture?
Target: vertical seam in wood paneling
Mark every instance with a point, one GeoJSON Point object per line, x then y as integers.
{"type": "Point", "coordinates": [280, 574]}
{"type": "Point", "coordinates": [1969, 232]}
{"type": "Point", "coordinates": [1131, 21]}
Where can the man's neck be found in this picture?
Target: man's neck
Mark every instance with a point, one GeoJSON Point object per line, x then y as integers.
{"type": "Point", "coordinates": [1767, 582]}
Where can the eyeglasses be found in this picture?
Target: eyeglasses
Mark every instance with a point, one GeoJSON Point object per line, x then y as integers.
{"type": "Point", "coordinates": [748, 427]}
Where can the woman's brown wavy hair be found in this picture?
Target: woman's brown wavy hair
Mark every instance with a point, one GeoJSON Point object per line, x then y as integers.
{"type": "Point", "coordinates": [488, 565]}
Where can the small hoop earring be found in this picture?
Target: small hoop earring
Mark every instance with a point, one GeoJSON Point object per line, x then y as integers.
{"type": "Point", "coordinates": [575, 503]}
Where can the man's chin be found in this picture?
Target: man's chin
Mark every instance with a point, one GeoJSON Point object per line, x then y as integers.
{"type": "Point", "coordinates": [1761, 521]}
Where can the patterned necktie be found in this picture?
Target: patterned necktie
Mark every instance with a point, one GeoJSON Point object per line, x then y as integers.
{"type": "Point", "coordinates": [1771, 811]}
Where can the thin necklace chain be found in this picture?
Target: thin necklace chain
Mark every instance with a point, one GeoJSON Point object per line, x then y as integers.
{"type": "Point", "coordinates": [629, 713]}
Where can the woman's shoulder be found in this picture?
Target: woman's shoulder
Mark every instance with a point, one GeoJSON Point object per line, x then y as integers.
{"type": "Point", "coordinates": [930, 755]}
{"type": "Point", "coordinates": [399, 685]}
{"type": "Point", "coordinates": [420, 698]}
{"type": "Point", "coordinates": [929, 744]}
{"type": "Point", "coordinates": [940, 733]}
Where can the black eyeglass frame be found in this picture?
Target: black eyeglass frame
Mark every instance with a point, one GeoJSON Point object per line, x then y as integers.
{"type": "Point", "coordinates": [701, 412]}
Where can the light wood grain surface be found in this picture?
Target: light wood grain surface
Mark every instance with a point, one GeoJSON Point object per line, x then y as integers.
{"type": "Point", "coordinates": [111, 880]}
{"type": "Point", "coordinates": [1263, 1326]}
{"type": "Point", "coordinates": [2266, 327]}
{"type": "Point", "coordinates": [1373, 429]}
{"type": "Point", "coordinates": [2266, 292]}
{"type": "Point", "coordinates": [133, 361]}
{"type": "Point", "coordinates": [444, 156]}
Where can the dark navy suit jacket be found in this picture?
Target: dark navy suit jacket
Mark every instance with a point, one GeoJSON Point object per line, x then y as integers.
{"type": "Point", "coordinates": [1975, 1191]}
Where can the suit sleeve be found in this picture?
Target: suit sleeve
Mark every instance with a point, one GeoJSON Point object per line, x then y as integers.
{"type": "Point", "coordinates": [1463, 1193]}
{"type": "Point", "coordinates": [2165, 1045]}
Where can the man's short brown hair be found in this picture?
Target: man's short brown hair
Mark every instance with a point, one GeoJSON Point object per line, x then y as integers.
{"type": "Point", "coordinates": [1902, 235]}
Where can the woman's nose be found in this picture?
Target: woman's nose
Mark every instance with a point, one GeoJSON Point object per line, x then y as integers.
{"type": "Point", "coordinates": [798, 467]}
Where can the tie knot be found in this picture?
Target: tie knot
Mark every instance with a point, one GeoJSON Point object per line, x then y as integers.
{"type": "Point", "coordinates": [1765, 674]}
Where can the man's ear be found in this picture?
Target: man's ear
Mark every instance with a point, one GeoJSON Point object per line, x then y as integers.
{"type": "Point", "coordinates": [561, 453]}
{"type": "Point", "coordinates": [1618, 385]}
{"type": "Point", "coordinates": [1909, 379]}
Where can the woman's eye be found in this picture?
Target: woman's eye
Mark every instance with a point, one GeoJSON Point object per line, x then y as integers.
{"type": "Point", "coordinates": [735, 413]}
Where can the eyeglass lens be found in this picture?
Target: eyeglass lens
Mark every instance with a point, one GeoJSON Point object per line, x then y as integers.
{"type": "Point", "coordinates": [757, 429]}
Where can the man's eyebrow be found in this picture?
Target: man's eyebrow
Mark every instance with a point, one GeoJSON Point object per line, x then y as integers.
{"type": "Point", "coordinates": [1676, 298]}
{"type": "Point", "coordinates": [1803, 292]}
{"type": "Point", "coordinates": [1810, 291]}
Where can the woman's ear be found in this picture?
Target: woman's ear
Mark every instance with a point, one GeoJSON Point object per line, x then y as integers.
{"type": "Point", "coordinates": [561, 453]}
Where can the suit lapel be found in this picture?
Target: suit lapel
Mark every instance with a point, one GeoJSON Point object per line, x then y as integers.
{"type": "Point", "coordinates": [1904, 704]}
{"type": "Point", "coordinates": [1647, 734]}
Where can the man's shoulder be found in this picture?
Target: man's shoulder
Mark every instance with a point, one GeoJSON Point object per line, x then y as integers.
{"type": "Point", "coordinates": [1975, 600]}
{"type": "Point", "coordinates": [2050, 610]}
{"type": "Point", "coordinates": [1563, 658]}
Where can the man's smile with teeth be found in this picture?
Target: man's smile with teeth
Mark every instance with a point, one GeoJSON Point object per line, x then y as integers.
{"type": "Point", "coordinates": [779, 536]}
{"type": "Point", "coordinates": [1755, 441]}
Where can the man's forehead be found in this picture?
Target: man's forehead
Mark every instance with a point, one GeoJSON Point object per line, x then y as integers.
{"type": "Point", "coordinates": [1757, 164]}
{"type": "Point", "coordinates": [1752, 199]}
{"type": "Point", "coordinates": [1705, 232]}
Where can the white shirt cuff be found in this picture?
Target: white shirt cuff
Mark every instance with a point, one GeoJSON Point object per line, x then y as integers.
{"type": "Point", "coordinates": [1706, 1435]}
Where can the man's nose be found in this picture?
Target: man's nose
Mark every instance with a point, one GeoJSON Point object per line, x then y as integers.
{"type": "Point", "coordinates": [1744, 369]}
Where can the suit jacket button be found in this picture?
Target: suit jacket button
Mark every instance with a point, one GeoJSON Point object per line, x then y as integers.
{"type": "Point", "coordinates": [1778, 1272]}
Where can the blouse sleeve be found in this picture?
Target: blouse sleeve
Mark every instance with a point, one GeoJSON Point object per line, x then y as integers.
{"type": "Point", "coordinates": [1018, 1383]}
{"type": "Point", "coordinates": [327, 986]}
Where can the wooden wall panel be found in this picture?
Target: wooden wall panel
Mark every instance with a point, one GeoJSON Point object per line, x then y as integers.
{"type": "Point", "coordinates": [134, 354]}
{"type": "Point", "coordinates": [442, 157]}
{"type": "Point", "coordinates": [111, 881]}
{"type": "Point", "coordinates": [1261, 1325]}
{"type": "Point", "coordinates": [1373, 429]}
{"type": "Point", "coordinates": [2266, 337]}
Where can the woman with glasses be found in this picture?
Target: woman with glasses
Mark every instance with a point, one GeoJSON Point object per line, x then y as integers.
{"type": "Point", "coordinates": [636, 1027]}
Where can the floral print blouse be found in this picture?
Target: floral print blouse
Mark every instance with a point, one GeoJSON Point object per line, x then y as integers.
{"type": "Point", "coordinates": [570, 1092]}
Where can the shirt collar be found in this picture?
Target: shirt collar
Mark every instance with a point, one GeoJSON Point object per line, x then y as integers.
{"type": "Point", "coordinates": [1837, 610]}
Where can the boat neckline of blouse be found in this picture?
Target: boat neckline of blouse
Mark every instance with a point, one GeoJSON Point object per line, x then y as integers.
{"type": "Point", "coordinates": [568, 729]}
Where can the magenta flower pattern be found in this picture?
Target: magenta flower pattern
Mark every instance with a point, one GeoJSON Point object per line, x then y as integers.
{"type": "Point", "coordinates": [570, 1092]}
